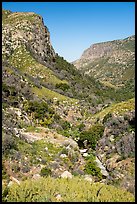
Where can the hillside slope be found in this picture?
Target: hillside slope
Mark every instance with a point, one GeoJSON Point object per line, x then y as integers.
{"type": "Point", "coordinates": [112, 61]}
{"type": "Point", "coordinates": [53, 119]}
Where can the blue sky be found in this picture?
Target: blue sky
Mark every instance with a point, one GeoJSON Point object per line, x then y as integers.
{"type": "Point", "coordinates": [74, 26]}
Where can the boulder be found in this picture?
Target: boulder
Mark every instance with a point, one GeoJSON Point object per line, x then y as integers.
{"type": "Point", "coordinates": [85, 154]}
{"type": "Point", "coordinates": [63, 155]}
{"type": "Point", "coordinates": [83, 150]}
{"type": "Point", "coordinates": [36, 176]}
{"type": "Point", "coordinates": [10, 183]}
{"type": "Point", "coordinates": [88, 178]}
{"type": "Point", "coordinates": [58, 197]}
{"type": "Point", "coordinates": [15, 180]}
{"type": "Point", "coordinates": [111, 138]}
{"type": "Point", "coordinates": [102, 168]}
{"type": "Point", "coordinates": [66, 174]}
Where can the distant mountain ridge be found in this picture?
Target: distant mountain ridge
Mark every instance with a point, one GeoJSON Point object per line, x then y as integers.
{"type": "Point", "coordinates": [112, 61]}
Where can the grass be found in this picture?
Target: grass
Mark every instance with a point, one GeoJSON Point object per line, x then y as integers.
{"type": "Point", "coordinates": [49, 94]}
{"type": "Point", "coordinates": [5, 14]}
{"type": "Point", "coordinates": [23, 60]}
{"type": "Point", "coordinates": [37, 150]}
{"type": "Point", "coordinates": [129, 73]}
{"type": "Point", "coordinates": [68, 190]}
{"type": "Point", "coordinates": [44, 74]}
{"type": "Point", "coordinates": [13, 19]}
{"type": "Point", "coordinates": [32, 129]}
{"type": "Point", "coordinates": [108, 84]}
{"type": "Point", "coordinates": [118, 108]}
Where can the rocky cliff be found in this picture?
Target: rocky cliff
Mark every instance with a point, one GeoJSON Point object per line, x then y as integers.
{"type": "Point", "coordinates": [20, 28]}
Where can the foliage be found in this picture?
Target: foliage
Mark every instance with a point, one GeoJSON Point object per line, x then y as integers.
{"type": "Point", "coordinates": [108, 116]}
{"type": "Point", "coordinates": [70, 190]}
{"type": "Point", "coordinates": [45, 171]}
{"type": "Point", "coordinates": [92, 135]}
{"type": "Point", "coordinates": [62, 86]}
{"type": "Point", "coordinates": [81, 87]}
{"type": "Point", "coordinates": [50, 94]}
{"type": "Point", "coordinates": [91, 167]}
{"type": "Point", "coordinates": [32, 129]}
{"type": "Point", "coordinates": [118, 108]}
{"type": "Point", "coordinates": [8, 143]}
{"type": "Point", "coordinates": [5, 88]}
{"type": "Point", "coordinates": [4, 173]}
{"type": "Point", "coordinates": [37, 152]}
{"type": "Point", "coordinates": [65, 125]}
{"type": "Point", "coordinates": [81, 127]}
{"type": "Point", "coordinates": [5, 190]}
{"type": "Point", "coordinates": [40, 110]}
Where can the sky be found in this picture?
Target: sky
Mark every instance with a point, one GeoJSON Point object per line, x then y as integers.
{"type": "Point", "coordinates": [75, 26]}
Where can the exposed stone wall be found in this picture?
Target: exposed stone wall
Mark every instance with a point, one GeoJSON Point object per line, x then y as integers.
{"type": "Point", "coordinates": [97, 51]}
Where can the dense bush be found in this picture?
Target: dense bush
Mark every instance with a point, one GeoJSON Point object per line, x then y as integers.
{"type": "Point", "coordinates": [62, 86]}
{"type": "Point", "coordinates": [45, 172]}
{"type": "Point", "coordinates": [91, 168]}
{"type": "Point", "coordinates": [8, 143]}
{"type": "Point", "coordinates": [92, 135]}
{"type": "Point", "coordinates": [40, 110]}
{"type": "Point", "coordinates": [65, 125]}
{"type": "Point", "coordinates": [81, 127]}
{"type": "Point", "coordinates": [4, 172]}
{"type": "Point", "coordinates": [5, 88]}
{"type": "Point", "coordinates": [81, 87]}
{"type": "Point", "coordinates": [64, 190]}
{"type": "Point", "coordinates": [108, 116]}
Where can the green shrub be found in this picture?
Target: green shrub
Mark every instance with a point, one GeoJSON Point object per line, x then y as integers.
{"type": "Point", "coordinates": [8, 143]}
{"type": "Point", "coordinates": [4, 193]}
{"type": "Point", "coordinates": [64, 151]}
{"type": "Point", "coordinates": [92, 135]}
{"type": "Point", "coordinates": [91, 168]}
{"type": "Point", "coordinates": [4, 172]}
{"type": "Point", "coordinates": [81, 127]}
{"type": "Point", "coordinates": [70, 190]}
{"type": "Point", "coordinates": [15, 168]}
{"type": "Point", "coordinates": [66, 125]}
{"type": "Point", "coordinates": [45, 171]}
{"type": "Point", "coordinates": [32, 129]}
{"type": "Point", "coordinates": [56, 117]}
{"type": "Point", "coordinates": [62, 86]}
{"type": "Point", "coordinates": [5, 88]}
{"type": "Point", "coordinates": [40, 110]}
{"type": "Point", "coordinates": [108, 116]}
{"type": "Point", "coordinates": [4, 105]}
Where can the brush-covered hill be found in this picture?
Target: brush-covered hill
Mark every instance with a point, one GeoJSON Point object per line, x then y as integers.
{"type": "Point", "coordinates": [50, 109]}
{"type": "Point", "coordinates": [111, 62]}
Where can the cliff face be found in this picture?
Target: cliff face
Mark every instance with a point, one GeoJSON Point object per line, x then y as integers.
{"type": "Point", "coordinates": [112, 61]}
{"type": "Point", "coordinates": [27, 29]}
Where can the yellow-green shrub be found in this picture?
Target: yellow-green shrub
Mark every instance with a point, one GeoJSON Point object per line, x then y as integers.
{"type": "Point", "coordinates": [76, 190]}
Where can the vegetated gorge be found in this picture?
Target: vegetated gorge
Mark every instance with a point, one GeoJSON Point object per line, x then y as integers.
{"type": "Point", "coordinates": [68, 129]}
